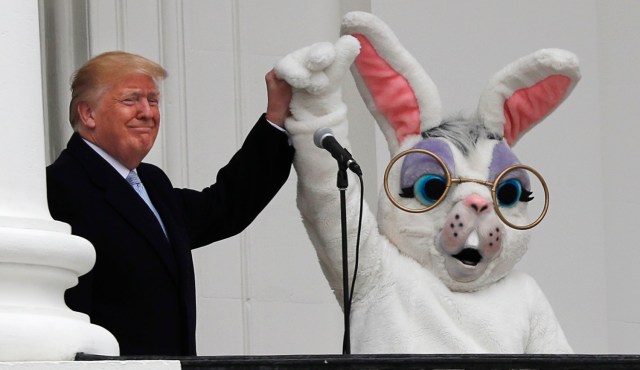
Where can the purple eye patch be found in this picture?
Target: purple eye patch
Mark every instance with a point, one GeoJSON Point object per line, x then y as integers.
{"type": "Point", "coordinates": [502, 158]}
{"type": "Point", "coordinates": [416, 165]}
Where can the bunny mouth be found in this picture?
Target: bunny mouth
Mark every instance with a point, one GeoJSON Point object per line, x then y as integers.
{"type": "Point", "coordinates": [468, 256]}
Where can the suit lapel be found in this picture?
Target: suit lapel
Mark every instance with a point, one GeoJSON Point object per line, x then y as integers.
{"type": "Point", "coordinates": [136, 212]}
{"type": "Point", "coordinates": [123, 198]}
{"type": "Point", "coordinates": [160, 197]}
{"type": "Point", "coordinates": [160, 192]}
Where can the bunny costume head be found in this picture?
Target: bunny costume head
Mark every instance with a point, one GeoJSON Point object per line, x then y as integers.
{"type": "Point", "coordinates": [462, 241]}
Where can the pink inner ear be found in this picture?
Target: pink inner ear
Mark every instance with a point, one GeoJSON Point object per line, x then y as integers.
{"type": "Point", "coordinates": [528, 106]}
{"type": "Point", "coordinates": [391, 92]}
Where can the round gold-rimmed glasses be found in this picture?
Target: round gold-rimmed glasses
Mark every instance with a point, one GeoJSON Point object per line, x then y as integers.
{"type": "Point", "coordinates": [514, 172]}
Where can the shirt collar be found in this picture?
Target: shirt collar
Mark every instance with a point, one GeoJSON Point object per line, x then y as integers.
{"type": "Point", "coordinates": [122, 170]}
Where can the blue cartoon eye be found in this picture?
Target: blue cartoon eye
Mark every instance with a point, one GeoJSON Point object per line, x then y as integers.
{"type": "Point", "coordinates": [509, 192]}
{"type": "Point", "coordinates": [429, 188]}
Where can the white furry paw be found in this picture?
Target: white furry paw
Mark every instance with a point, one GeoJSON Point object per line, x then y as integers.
{"type": "Point", "coordinates": [320, 68]}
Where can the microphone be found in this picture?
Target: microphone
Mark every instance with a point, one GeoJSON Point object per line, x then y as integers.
{"type": "Point", "coordinates": [324, 139]}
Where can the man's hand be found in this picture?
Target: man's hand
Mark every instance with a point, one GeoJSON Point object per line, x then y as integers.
{"type": "Point", "coordinates": [278, 99]}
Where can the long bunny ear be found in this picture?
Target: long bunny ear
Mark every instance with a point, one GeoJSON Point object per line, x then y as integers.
{"type": "Point", "coordinates": [398, 92]}
{"type": "Point", "coordinates": [523, 93]}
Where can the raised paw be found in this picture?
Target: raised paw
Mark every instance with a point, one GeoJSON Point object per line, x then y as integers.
{"type": "Point", "coordinates": [319, 69]}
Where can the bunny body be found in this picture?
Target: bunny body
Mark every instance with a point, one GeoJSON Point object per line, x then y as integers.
{"type": "Point", "coordinates": [420, 315]}
{"type": "Point", "coordinates": [414, 294]}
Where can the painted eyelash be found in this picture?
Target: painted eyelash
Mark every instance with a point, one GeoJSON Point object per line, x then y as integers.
{"type": "Point", "coordinates": [525, 196]}
{"type": "Point", "coordinates": [407, 192]}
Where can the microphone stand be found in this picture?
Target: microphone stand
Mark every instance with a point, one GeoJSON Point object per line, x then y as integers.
{"type": "Point", "coordinates": [343, 183]}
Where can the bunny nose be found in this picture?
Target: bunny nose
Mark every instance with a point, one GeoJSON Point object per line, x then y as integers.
{"type": "Point", "coordinates": [477, 203]}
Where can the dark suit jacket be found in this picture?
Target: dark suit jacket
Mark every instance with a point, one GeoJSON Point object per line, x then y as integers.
{"type": "Point", "coordinates": [142, 287]}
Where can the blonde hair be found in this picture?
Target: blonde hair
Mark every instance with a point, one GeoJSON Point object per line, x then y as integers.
{"type": "Point", "coordinates": [97, 74]}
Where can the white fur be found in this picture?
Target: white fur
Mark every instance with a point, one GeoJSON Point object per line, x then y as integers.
{"type": "Point", "coordinates": [406, 300]}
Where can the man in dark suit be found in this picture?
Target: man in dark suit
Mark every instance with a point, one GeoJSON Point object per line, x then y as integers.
{"type": "Point", "coordinates": [142, 287]}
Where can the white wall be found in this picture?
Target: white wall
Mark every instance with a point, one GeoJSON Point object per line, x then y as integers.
{"type": "Point", "coordinates": [619, 58]}
{"type": "Point", "coordinates": [263, 292]}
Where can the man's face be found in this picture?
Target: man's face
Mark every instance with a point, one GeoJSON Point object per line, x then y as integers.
{"type": "Point", "coordinates": [125, 119]}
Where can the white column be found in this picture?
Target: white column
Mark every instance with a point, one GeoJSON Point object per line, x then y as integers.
{"type": "Point", "coordinates": [39, 258]}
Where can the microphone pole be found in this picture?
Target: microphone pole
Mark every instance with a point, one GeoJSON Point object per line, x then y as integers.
{"type": "Point", "coordinates": [323, 138]}
{"type": "Point", "coordinates": [343, 183]}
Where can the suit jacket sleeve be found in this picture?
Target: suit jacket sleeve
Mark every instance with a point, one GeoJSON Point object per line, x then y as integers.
{"type": "Point", "coordinates": [242, 189]}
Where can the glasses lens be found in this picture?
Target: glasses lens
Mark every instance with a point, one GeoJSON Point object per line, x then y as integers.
{"type": "Point", "coordinates": [416, 180]}
{"type": "Point", "coordinates": [521, 197]}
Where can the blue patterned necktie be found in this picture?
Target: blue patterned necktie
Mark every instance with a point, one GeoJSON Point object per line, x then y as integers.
{"type": "Point", "coordinates": [134, 181]}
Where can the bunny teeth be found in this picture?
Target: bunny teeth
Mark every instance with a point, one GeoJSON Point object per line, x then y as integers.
{"type": "Point", "coordinates": [473, 241]}
{"type": "Point", "coordinates": [470, 254]}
